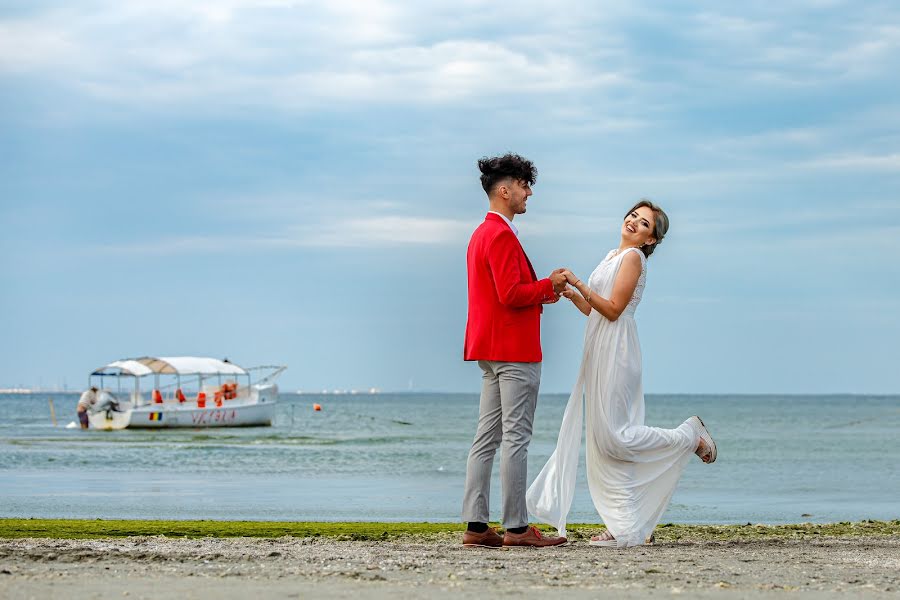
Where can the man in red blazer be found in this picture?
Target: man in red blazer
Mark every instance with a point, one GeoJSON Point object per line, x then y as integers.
{"type": "Point", "coordinates": [503, 334]}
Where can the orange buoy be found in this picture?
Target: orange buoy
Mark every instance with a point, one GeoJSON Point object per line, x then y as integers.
{"type": "Point", "coordinates": [317, 407]}
{"type": "Point", "coordinates": [157, 397]}
{"type": "Point", "coordinates": [201, 400]}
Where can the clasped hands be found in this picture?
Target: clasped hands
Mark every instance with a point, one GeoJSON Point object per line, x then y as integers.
{"type": "Point", "coordinates": [561, 278]}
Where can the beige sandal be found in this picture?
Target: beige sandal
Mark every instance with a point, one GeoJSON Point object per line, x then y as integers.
{"type": "Point", "coordinates": [703, 432]}
{"type": "Point", "coordinates": [605, 539]}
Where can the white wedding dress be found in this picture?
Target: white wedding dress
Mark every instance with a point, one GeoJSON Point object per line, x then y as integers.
{"type": "Point", "coordinates": [632, 469]}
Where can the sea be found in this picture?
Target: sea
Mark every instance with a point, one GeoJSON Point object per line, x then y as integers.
{"type": "Point", "coordinates": [402, 457]}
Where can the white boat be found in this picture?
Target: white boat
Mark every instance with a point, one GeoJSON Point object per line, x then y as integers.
{"type": "Point", "coordinates": [186, 391]}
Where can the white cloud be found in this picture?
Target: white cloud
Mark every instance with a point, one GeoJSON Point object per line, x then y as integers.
{"type": "Point", "coordinates": [875, 48]}
{"type": "Point", "coordinates": [770, 139]}
{"type": "Point", "coordinates": [375, 232]}
{"type": "Point", "coordinates": [379, 231]}
{"type": "Point", "coordinates": [774, 47]}
{"type": "Point", "coordinates": [730, 28]}
{"type": "Point", "coordinates": [855, 162]}
{"type": "Point", "coordinates": [583, 69]}
{"type": "Point", "coordinates": [26, 47]}
{"type": "Point", "coordinates": [291, 55]}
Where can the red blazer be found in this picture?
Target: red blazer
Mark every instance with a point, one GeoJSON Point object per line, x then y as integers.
{"type": "Point", "coordinates": [505, 297]}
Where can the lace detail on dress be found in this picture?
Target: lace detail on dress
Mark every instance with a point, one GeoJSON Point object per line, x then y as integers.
{"type": "Point", "coordinates": [609, 266]}
{"type": "Point", "coordinates": [639, 288]}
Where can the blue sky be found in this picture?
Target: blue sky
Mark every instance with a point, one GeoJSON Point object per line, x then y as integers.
{"type": "Point", "coordinates": [294, 182]}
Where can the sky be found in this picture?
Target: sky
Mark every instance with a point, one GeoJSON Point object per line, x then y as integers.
{"type": "Point", "coordinates": [291, 182]}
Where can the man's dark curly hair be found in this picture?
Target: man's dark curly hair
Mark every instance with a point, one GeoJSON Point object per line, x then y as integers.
{"type": "Point", "coordinates": [496, 169]}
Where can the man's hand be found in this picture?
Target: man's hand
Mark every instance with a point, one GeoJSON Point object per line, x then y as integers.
{"type": "Point", "coordinates": [558, 279]}
{"type": "Point", "coordinates": [568, 292]}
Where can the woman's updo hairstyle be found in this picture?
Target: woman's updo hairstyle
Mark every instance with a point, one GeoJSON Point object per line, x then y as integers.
{"type": "Point", "coordinates": [660, 224]}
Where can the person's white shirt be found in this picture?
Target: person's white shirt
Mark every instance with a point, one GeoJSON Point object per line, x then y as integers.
{"type": "Point", "coordinates": [515, 229]}
{"type": "Point", "coordinates": [88, 398]}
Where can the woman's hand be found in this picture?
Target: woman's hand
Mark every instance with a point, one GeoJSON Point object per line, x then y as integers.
{"type": "Point", "coordinates": [577, 299]}
{"type": "Point", "coordinates": [570, 277]}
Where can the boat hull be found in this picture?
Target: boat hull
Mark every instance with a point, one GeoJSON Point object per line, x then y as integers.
{"type": "Point", "coordinates": [259, 411]}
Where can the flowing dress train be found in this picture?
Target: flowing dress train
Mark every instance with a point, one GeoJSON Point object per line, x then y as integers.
{"type": "Point", "coordinates": [632, 469]}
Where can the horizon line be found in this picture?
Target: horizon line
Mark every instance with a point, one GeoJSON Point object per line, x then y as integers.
{"type": "Point", "coordinates": [15, 391]}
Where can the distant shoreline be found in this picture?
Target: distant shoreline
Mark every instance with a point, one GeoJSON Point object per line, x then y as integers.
{"type": "Point", "coordinates": [374, 531]}
{"type": "Point", "coordinates": [339, 393]}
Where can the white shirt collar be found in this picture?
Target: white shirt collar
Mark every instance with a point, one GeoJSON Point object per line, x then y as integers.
{"type": "Point", "coordinates": [515, 229]}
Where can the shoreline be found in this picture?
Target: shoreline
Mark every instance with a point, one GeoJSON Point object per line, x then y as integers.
{"type": "Point", "coordinates": [381, 531]}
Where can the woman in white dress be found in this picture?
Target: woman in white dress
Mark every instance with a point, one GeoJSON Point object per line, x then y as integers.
{"type": "Point", "coordinates": [632, 469]}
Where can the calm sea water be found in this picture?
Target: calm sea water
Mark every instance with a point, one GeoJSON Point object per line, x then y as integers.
{"type": "Point", "coordinates": [401, 457]}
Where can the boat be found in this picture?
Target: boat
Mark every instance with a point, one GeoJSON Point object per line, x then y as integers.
{"type": "Point", "coordinates": [186, 391]}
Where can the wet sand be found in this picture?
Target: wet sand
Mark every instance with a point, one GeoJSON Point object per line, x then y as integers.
{"type": "Point", "coordinates": [439, 567]}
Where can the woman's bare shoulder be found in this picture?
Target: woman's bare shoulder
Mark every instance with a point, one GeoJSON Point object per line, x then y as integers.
{"type": "Point", "coordinates": [633, 258]}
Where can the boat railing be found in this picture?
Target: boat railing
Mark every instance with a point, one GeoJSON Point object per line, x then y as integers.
{"type": "Point", "coordinates": [214, 394]}
{"type": "Point", "coordinates": [276, 371]}
{"type": "Point", "coordinates": [167, 393]}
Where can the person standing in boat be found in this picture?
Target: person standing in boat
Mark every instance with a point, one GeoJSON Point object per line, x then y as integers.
{"type": "Point", "coordinates": [86, 402]}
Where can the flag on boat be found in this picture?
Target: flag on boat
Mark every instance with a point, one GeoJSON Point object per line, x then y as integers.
{"type": "Point", "coordinates": [156, 416]}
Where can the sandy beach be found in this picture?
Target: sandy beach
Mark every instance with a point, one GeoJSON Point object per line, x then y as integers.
{"type": "Point", "coordinates": [437, 566]}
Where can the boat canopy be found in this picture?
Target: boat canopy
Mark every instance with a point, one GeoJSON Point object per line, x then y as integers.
{"type": "Point", "coordinates": [169, 365]}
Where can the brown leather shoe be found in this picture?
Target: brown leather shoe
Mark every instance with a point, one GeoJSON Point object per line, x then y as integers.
{"type": "Point", "coordinates": [531, 537]}
{"type": "Point", "coordinates": [488, 538]}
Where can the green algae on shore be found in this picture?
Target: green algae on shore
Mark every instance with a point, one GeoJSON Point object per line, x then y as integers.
{"type": "Point", "coordinates": [99, 528]}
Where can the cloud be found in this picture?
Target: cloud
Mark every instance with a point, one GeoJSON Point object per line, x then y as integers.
{"type": "Point", "coordinates": [324, 232]}
{"type": "Point", "coordinates": [876, 47]}
{"type": "Point", "coordinates": [770, 139]}
{"type": "Point", "coordinates": [27, 47]}
{"type": "Point", "coordinates": [290, 55]}
{"type": "Point", "coordinates": [771, 47]}
{"type": "Point", "coordinates": [375, 232]}
{"type": "Point", "coordinates": [380, 231]}
{"type": "Point", "coordinates": [855, 162]}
